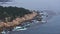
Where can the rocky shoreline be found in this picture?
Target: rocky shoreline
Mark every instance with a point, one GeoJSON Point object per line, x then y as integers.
{"type": "Point", "coordinates": [17, 21]}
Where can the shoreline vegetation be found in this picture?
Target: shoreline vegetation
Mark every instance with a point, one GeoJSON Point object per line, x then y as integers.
{"type": "Point", "coordinates": [10, 17]}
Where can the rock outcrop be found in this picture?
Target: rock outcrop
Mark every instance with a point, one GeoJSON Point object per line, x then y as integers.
{"type": "Point", "coordinates": [17, 21]}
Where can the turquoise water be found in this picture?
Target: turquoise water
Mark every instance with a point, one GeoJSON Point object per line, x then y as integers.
{"type": "Point", "coordinates": [51, 27]}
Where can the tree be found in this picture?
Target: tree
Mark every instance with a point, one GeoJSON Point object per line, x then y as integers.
{"type": "Point", "coordinates": [10, 13]}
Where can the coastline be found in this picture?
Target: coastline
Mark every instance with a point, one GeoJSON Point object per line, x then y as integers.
{"type": "Point", "coordinates": [17, 21]}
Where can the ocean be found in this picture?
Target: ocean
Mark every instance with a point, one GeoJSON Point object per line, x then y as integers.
{"type": "Point", "coordinates": [53, 24]}
{"type": "Point", "coordinates": [51, 27]}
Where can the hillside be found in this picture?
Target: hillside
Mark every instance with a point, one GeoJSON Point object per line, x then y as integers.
{"type": "Point", "coordinates": [10, 13]}
{"type": "Point", "coordinates": [11, 17]}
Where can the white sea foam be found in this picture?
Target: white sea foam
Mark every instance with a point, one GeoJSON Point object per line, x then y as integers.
{"type": "Point", "coordinates": [18, 28]}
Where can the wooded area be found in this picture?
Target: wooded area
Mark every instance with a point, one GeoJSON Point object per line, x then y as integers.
{"type": "Point", "coordinates": [12, 12]}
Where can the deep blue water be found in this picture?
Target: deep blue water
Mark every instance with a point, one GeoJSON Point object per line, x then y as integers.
{"type": "Point", "coordinates": [51, 27]}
